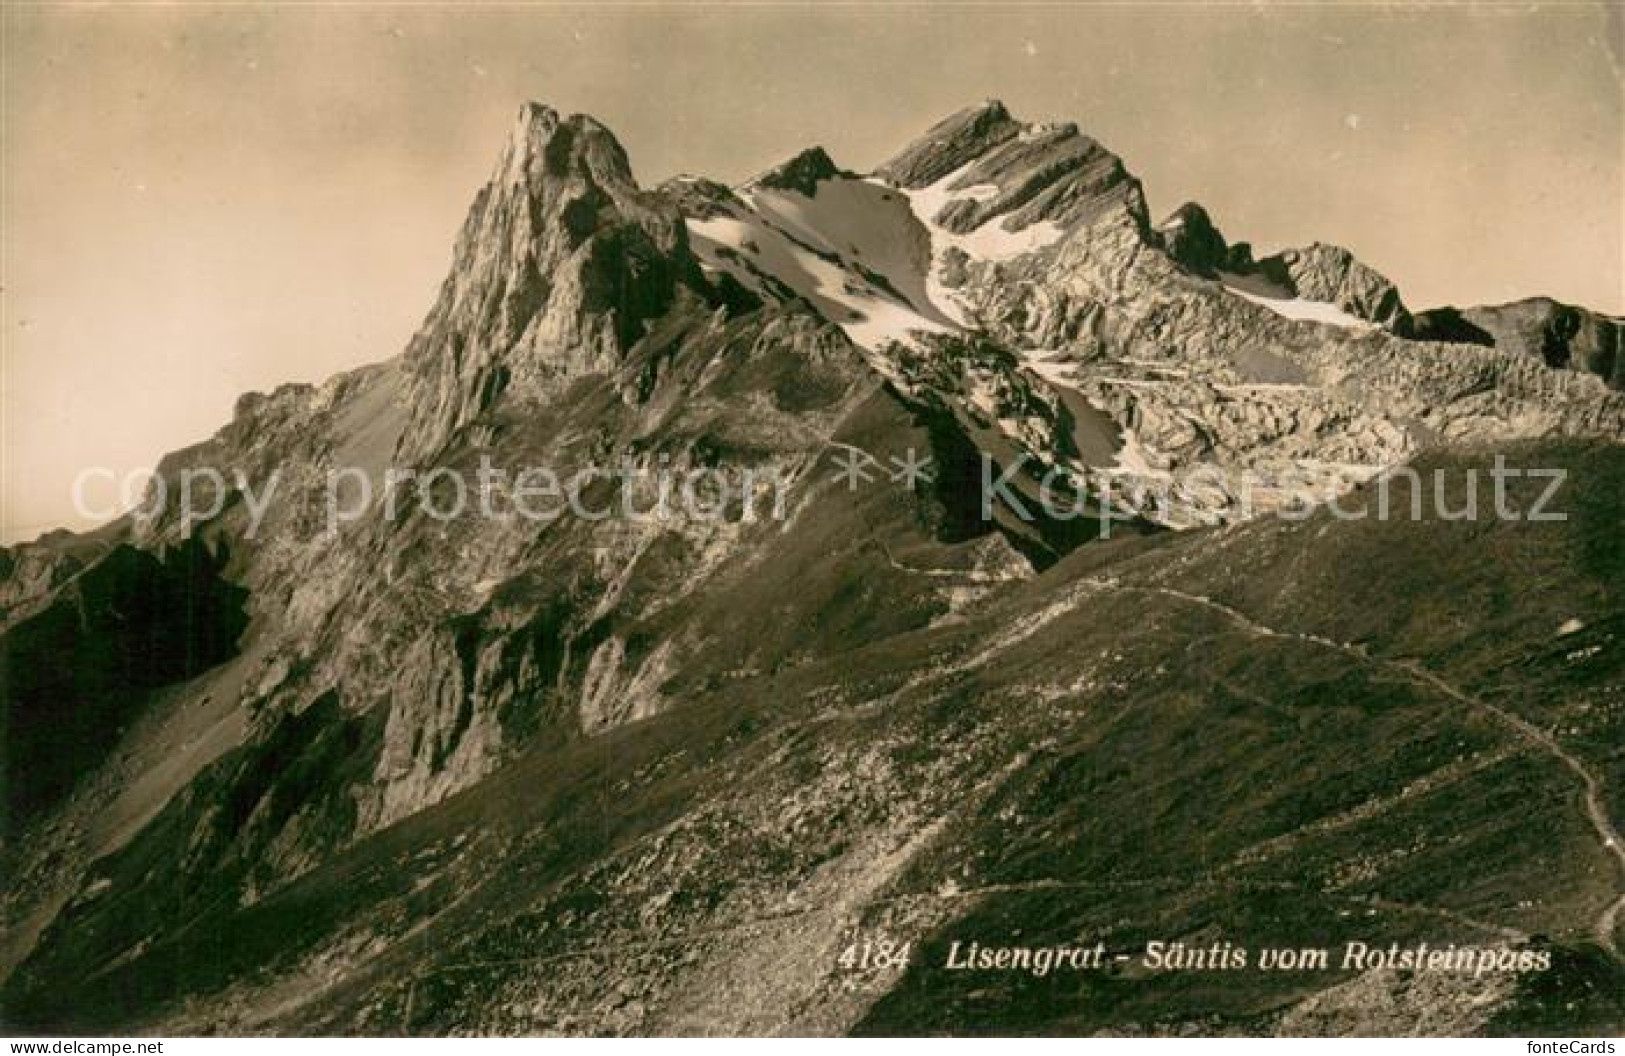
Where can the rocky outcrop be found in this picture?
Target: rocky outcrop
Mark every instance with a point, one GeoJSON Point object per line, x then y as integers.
{"type": "Point", "coordinates": [1020, 174]}
{"type": "Point", "coordinates": [802, 173]}
{"type": "Point", "coordinates": [561, 262]}
{"type": "Point", "coordinates": [1560, 335]}
{"type": "Point", "coordinates": [78, 671]}
{"type": "Point", "coordinates": [951, 144]}
{"type": "Point", "coordinates": [1207, 361]}
{"type": "Point", "coordinates": [1332, 275]}
{"type": "Point", "coordinates": [658, 722]}
{"type": "Point", "coordinates": [1190, 237]}
{"type": "Point", "coordinates": [698, 198]}
{"type": "Point", "coordinates": [705, 868]}
{"type": "Point", "coordinates": [1203, 359]}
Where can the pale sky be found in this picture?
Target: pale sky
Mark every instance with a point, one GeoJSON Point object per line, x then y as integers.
{"type": "Point", "coordinates": [202, 201]}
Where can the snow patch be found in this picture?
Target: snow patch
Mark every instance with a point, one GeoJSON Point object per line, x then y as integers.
{"type": "Point", "coordinates": [1135, 459]}
{"type": "Point", "coordinates": [989, 242]}
{"type": "Point", "coordinates": [866, 254]}
{"type": "Point", "coordinates": [1053, 367]}
{"type": "Point", "coordinates": [854, 251]}
{"type": "Point", "coordinates": [1297, 309]}
{"type": "Point", "coordinates": [977, 192]}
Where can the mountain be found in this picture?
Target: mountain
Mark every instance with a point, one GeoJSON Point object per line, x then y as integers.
{"type": "Point", "coordinates": [327, 759]}
{"type": "Point", "coordinates": [1156, 348]}
{"type": "Point", "coordinates": [1560, 335]}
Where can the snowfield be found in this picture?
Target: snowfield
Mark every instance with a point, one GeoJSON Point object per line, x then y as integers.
{"type": "Point", "coordinates": [864, 252]}
{"type": "Point", "coordinates": [854, 251]}
{"type": "Point", "coordinates": [1297, 309]}
{"type": "Point", "coordinates": [989, 242]}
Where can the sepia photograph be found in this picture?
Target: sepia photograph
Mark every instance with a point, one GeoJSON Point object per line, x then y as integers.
{"type": "Point", "coordinates": [767, 519]}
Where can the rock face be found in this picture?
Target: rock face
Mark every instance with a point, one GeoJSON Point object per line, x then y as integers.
{"type": "Point", "coordinates": [994, 166]}
{"type": "Point", "coordinates": [1190, 238]}
{"type": "Point", "coordinates": [1331, 274]}
{"type": "Point", "coordinates": [1559, 335]}
{"type": "Point", "coordinates": [802, 173]}
{"type": "Point", "coordinates": [560, 263]}
{"type": "Point", "coordinates": [1323, 274]}
{"type": "Point", "coordinates": [78, 670]}
{"type": "Point", "coordinates": [1203, 361]}
{"type": "Point", "coordinates": [830, 684]}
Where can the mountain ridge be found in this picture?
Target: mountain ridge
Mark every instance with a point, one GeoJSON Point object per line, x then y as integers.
{"type": "Point", "coordinates": [995, 301]}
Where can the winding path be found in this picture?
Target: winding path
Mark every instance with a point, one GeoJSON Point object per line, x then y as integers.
{"type": "Point", "coordinates": [1595, 807]}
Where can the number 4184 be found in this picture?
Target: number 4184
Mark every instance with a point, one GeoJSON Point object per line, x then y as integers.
{"type": "Point", "coordinates": [874, 955]}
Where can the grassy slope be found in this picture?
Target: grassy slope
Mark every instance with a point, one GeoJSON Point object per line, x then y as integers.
{"type": "Point", "coordinates": [1088, 757]}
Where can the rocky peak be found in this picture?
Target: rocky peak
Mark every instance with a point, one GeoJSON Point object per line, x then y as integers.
{"type": "Point", "coordinates": [1022, 173]}
{"type": "Point", "coordinates": [1560, 335]}
{"type": "Point", "coordinates": [1324, 273]}
{"type": "Point", "coordinates": [950, 144]}
{"type": "Point", "coordinates": [542, 144]}
{"type": "Point", "coordinates": [1334, 275]}
{"type": "Point", "coordinates": [1190, 236]}
{"type": "Point", "coordinates": [697, 197]}
{"type": "Point", "coordinates": [1003, 301]}
{"type": "Point", "coordinates": [802, 173]}
{"type": "Point", "coordinates": [560, 262]}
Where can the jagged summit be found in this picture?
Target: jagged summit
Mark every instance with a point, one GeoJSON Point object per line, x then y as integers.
{"type": "Point", "coordinates": [1190, 237]}
{"type": "Point", "coordinates": [1318, 274]}
{"type": "Point", "coordinates": [950, 144]}
{"type": "Point", "coordinates": [435, 755]}
{"type": "Point", "coordinates": [879, 255]}
{"type": "Point", "coordinates": [1558, 334]}
{"type": "Point", "coordinates": [802, 173]}
{"type": "Point", "coordinates": [560, 260]}
{"type": "Point", "coordinates": [1022, 173]}
{"type": "Point", "coordinates": [543, 143]}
